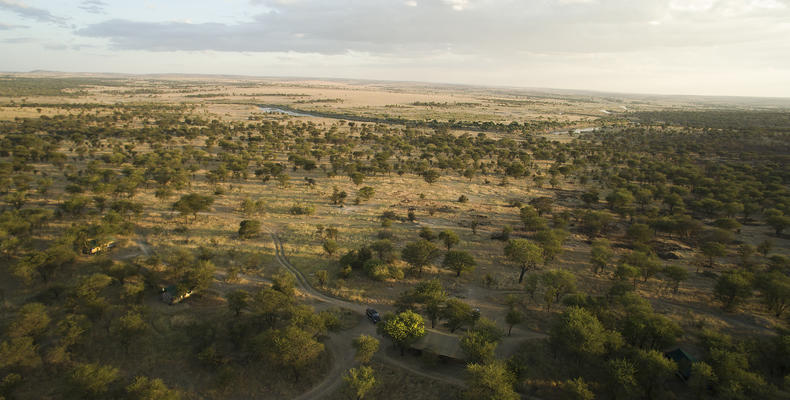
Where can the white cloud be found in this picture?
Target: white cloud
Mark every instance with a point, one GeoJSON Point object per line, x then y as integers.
{"type": "Point", "coordinates": [93, 6]}
{"type": "Point", "coordinates": [485, 28]}
{"type": "Point", "coordinates": [691, 5]}
{"type": "Point", "coordinates": [5, 27]}
{"type": "Point", "coordinates": [26, 11]}
{"type": "Point", "coordinates": [577, 1]}
{"type": "Point", "coordinates": [457, 5]}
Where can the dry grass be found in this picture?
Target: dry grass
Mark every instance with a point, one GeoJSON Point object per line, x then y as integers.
{"type": "Point", "coordinates": [396, 384]}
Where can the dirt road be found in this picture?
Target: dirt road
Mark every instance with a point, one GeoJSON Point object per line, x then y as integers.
{"type": "Point", "coordinates": [340, 344]}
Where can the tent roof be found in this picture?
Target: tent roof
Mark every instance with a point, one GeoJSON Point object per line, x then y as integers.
{"type": "Point", "coordinates": [679, 354]}
{"type": "Point", "coordinates": [440, 343]}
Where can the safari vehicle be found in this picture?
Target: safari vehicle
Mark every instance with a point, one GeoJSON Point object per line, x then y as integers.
{"type": "Point", "coordinates": [94, 246]}
{"type": "Point", "coordinates": [174, 294]}
{"type": "Point", "coordinates": [373, 315]}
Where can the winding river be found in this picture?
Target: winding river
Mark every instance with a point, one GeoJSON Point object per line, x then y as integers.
{"type": "Point", "coordinates": [292, 113]}
{"type": "Point", "coordinates": [580, 130]}
{"type": "Point", "coordinates": [275, 110]}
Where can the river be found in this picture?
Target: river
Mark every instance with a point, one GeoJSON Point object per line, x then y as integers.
{"type": "Point", "coordinates": [275, 110]}
{"type": "Point", "coordinates": [580, 130]}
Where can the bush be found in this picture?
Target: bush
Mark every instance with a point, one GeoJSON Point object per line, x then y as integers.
{"type": "Point", "coordinates": [376, 270]}
{"type": "Point", "coordinates": [331, 319]}
{"type": "Point", "coordinates": [302, 210]}
{"type": "Point", "coordinates": [463, 199]}
{"type": "Point", "coordinates": [92, 380]}
{"type": "Point", "coordinates": [357, 258]}
{"type": "Point", "coordinates": [709, 274]}
{"type": "Point", "coordinates": [322, 276]}
{"type": "Point", "coordinates": [504, 235]}
{"type": "Point", "coordinates": [249, 228]}
{"type": "Point", "coordinates": [330, 246]}
{"type": "Point", "coordinates": [396, 273]}
{"type": "Point", "coordinates": [379, 272]}
{"type": "Point", "coordinates": [427, 234]}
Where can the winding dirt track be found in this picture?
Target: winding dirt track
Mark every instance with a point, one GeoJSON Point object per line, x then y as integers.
{"type": "Point", "coordinates": [340, 344]}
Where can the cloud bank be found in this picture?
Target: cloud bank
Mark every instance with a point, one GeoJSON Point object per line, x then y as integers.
{"type": "Point", "coordinates": [658, 46]}
{"type": "Point", "coordinates": [483, 27]}
{"type": "Point", "coordinates": [25, 11]}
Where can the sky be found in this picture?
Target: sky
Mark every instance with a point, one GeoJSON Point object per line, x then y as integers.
{"type": "Point", "coordinates": [702, 47]}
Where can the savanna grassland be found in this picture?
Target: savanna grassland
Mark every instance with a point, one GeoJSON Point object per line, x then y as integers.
{"type": "Point", "coordinates": [555, 244]}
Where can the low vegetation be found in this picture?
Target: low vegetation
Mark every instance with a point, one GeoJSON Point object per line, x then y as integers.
{"type": "Point", "coordinates": [142, 244]}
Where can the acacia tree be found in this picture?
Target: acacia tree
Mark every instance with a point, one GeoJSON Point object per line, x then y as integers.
{"type": "Point", "coordinates": [431, 175]}
{"type": "Point", "coordinates": [366, 346]}
{"type": "Point", "coordinates": [403, 329]}
{"type": "Point", "coordinates": [732, 288]}
{"type": "Point", "coordinates": [45, 264]}
{"type": "Point", "coordinates": [580, 334]}
{"type": "Point", "coordinates": [550, 242]}
{"type": "Point", "coordinates": [513, 317]}
{"type": "Point", "coordinates": [458, 261]}
{"type": "Point", "coordinates": [19, 351]}
{"type": "Point", "coordinates": [338, 196]}
{"type": "Point", "coordinates": [777, 220]}
{"type": "Point", "coordinates": [702, 376]}
{"type": "Point", "coordinates": [93, 380]}
{"type": "Point", "coordinates": [237, 300]}
{"type": "Point", "coordinates": [360, 381]}
{"type": "Point", "coordinates": [576, 389]}
{"type": "Point", "coordinates": [490, 381]}
{"type": "Point", "coordinates": [621, 201]}
{"type": "Point", "coordinates": [625, 271]}
{"type": "Point", "coordinates": [712, 250]}
{"type": "Point", "coordinates": [291, 347]}
{"type": "Point", "coordinates": [590, 197]}
{"type": "Point", "coordinates": [477, 347]}
{"type": "Point", "coordinates": [366, 193]}
{"type": "Point", "coordinates": [449, 238]}
{"type": "Point", "coordinates": [456, 313]}
{"type": "Point", "coordinates": [675, 274]}
{"type": "Point", "coordinates": [653, 371]}
{"type": "Point", "coordinates": [430, 295]}
{"type": "Point", "coordinates": [31, 320]}
{"type": "Point", "coordinates": [775, 288]}
{"type": "Point", "coordinates": [622, 378]}
{"type": "Point", "coordinates": [647, 264]}
{"type": "Point", "coordinates": [557, 283]}
{"type": "Point", "coordinates": [193, 203]}
{"type": "Point", "coordinates": [357, 178]}
{"type": "Point", "coordinates": [531, 219]}
{"type": "Point", "coordinates": [420, 254]}
{"type": "Point", "coordinates": [129, 326]}
{"type": "Point", "coordinates": [600, 255]}
{"type": "Point", "coordinates": [249, 228]}
{"type": "Point", "coordinates": [384, 249]}
{"type": "Point", "coordinates": [525, 254]}
{"type": "Point", "coordinates": [144, 388]}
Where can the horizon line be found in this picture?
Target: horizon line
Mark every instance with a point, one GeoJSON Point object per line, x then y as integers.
{"type": "Point", "coordinates": [570, 91]}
